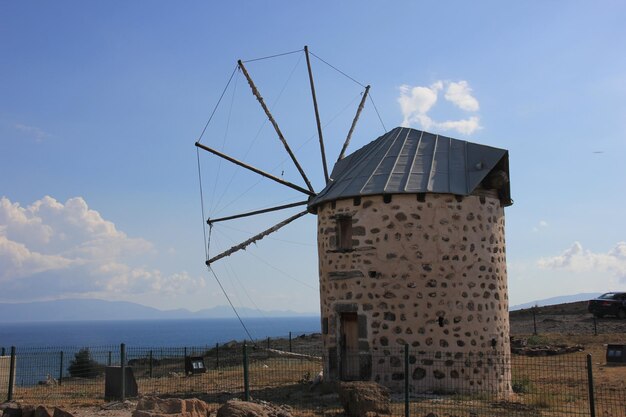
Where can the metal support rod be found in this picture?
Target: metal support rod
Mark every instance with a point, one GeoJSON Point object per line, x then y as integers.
{"type": "Point", "coordinates": [592, 400]}
{"type": "Point", "coordinates": [290, 342]}
{"type": "Point", "coordinates": [258, 96]}
{"type": "Point", "coordinates": [252, 213]}
{"type": "Point", "coordinates": [255, 170]}
{"type": "Point", "coordinates": [246, 379]}
{"type": "Point", "coordinates": [3, 352]}
{"type": "Point", "coordinates": [150, 362]}
{"type": "Point", "coordinates": [255, 238]}
{"type": "Point", "coordinates": [535, 321]}
{"type": "Point", "coordinates": [123, 369]}
{"type": "Point", "coordinates": [317, 113]}
{"type": "Point", "coordinates": [109, 362]}
{"type": "Point", "coordinates": [217, 356]}
{"type": "Point", "coordinates": [61, 369]}
{"type": "Point", "coordinates": [11, 374]}
{"type": "Point", "coordinates": [356, 118]}
{"type": "Point", "coordinates": [406, 380]}
{"type": "Point", "coordinates": [268, 342]}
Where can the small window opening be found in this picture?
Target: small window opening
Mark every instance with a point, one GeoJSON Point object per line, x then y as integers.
{"type": "Point", "coordinates": [421, 197]}
{"type": "Point", "coordinates": [387, 198]}
{"type": "Point", "coordinates": [356, 201]}
{"type": "Point", "coordinates": [344, 232]}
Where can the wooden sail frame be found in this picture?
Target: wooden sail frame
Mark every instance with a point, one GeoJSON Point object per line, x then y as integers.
{"type": "Point", "coordinates": [309, 191]}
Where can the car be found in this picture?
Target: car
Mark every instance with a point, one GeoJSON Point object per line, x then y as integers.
{"type": "Point", "coordinates": [608, 304]}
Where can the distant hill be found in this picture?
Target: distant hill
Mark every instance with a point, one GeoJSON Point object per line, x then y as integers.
{"type": "Point", "coordinates": [566, 309]}
{"type": "Point", "coordinates": [92, 309]}
{"type": "Point", "coordinates": [564, 299]}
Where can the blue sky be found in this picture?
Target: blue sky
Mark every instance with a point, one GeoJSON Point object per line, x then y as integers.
{"type": "Point", "coordinates": [101, 103]}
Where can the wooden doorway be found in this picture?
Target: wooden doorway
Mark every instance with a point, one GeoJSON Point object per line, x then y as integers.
{"type": "Point", "coordinates": [349, 360]}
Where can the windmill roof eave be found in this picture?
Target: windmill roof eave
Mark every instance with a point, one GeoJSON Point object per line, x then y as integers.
{"type": "Point", "coordinates": [410, 161]}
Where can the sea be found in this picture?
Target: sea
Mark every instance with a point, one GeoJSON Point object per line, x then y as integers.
{"type": "Point", "coordinates": [151, 333]}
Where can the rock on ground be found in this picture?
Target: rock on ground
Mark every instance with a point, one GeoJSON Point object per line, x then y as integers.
{"type": "Point", "coordinates": [27, 410]}
{"type": "Point", "coordinates": [171, 407]}
{"type": "Point", "coordinates": [364, 399]}
{"type": "Point", "coordinates": [236, 408]}
{"type": "Point", "coordinates": [59, 412]}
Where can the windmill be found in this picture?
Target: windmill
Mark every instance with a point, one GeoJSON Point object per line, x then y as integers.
{"type": "Point", "coordinates": [411, 248]}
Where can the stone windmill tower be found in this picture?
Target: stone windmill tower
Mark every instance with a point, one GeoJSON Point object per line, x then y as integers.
{"type": "Point", "coordinates": [411, 254]}
{"type": "Point", "coordinates": [412, 251]}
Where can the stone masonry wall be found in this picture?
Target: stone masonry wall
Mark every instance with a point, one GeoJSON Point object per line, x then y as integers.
{"type": "Point", "coordinates": [430, 274]}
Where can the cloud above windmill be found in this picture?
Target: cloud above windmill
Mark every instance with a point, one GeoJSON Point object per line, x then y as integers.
{"type": "Point", "coordinates": [51, 249]}
{"type": "Point", "coordinates": [417, 101]}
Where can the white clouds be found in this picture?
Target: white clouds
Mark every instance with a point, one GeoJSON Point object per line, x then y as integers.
{"type": "Point", "coordinates": [416, 102]}
{"type": "Point", "coordinates": [17, 261]}
{"type": "Point", "coordinates": [50, 249]}
{"type": "Point", "coordinates": [31, 131]}
{"type": "Point", "coordinates": [464, 126]}
{"type": "Point", "coordinates": [576, 259]}
{"type": "Point", "coordinates": [540, 226]}
{"type": "Point", "coordinates": [460, 94]}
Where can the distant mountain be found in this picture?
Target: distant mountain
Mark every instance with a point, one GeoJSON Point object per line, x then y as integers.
{"type": "Point", "coordinates": [557, 300]}
{"type": "Point", "coordinates": [92, 309]}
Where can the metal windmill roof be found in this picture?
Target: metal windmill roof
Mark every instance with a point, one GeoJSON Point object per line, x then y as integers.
{"type": "Point", "coordinates": [405, 161]}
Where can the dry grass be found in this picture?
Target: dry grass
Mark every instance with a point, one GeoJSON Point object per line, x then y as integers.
{"type": "Point", "coordinates": [546, 386]}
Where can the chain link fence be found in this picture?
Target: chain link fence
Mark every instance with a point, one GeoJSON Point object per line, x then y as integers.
{"type": "Point", "coordinates": [551, 319]}
{"type": "Point", "coordinates": [283, 371]}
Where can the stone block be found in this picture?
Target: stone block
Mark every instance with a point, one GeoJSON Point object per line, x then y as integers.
{"type": "Point", "coordinates": [113, 383]}
{"type": "Point", "coordinates": [171, 407]}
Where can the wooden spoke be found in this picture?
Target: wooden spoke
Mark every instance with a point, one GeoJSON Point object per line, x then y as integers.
{"type": "Point", "coordinates": [253, 213]}
{"type": "Point", "coordinates": [255, 238]}
{"type": "Point", "coordinates": [255, 170]}
{"type": "Point", "coordinates": [317, 113]}
{"type": "Point", "coordinates": [356, 118]}
{"type": "Point", "coordinates": [258, 96]}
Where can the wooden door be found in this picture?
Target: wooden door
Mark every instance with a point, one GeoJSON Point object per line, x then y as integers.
{"type": "Point", "coordinates": [349, 360]}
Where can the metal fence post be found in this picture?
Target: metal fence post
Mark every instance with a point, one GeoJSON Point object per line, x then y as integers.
{"type": "Point", "coordinates": [246, 380]}
{"type": "Point", "coordinates": [61, 369]}
{"type": "Point", "coordinates": [535, 321]}
{"type": "Point", "coordinates": [150, 364]}
{"type": "Point", "coordinates": [217, 356]}
{"type": "Point", "coordinates": [592, 401]}
{"type": "Point", "coordinates": [123, 369]}
{"type": "Point", "coordinates": [109, 358]}
{"type": "Point", "coordinates": [290, 342]}
{"type": "Point", "coordinates": [406, 380]}
{"type": "Point", "coordinates": [11, 374]}
{"type": "Point", "coordinates": [3, 352]}
{"type": "Point", "coordinates": [268, 342]}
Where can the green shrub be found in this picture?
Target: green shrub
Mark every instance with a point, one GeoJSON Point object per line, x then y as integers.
{"type": "Point", "coordinates": [83, 366]}
{"type": "Point", "coordinates": [521, 385]}
{"type": "Point", "coordinates": [537, 340]}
